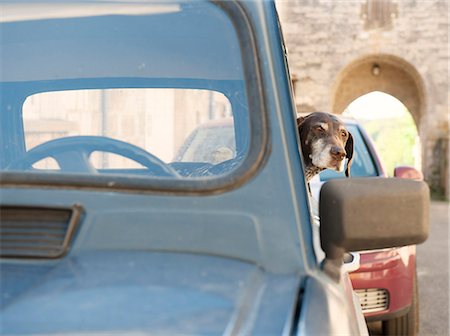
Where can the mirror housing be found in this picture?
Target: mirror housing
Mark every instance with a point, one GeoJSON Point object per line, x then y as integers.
{"type": "Point", "coordinates": [408, 172]}
{"type": "Point", "coordinates": [372, 213]}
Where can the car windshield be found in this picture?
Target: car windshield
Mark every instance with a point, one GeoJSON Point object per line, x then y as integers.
{"type": "Point", "coordinates": [119, 88]}
{"type": "Point", "coordinates": [362, 164]}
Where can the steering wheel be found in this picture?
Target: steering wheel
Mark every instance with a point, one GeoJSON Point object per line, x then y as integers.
{"type": "Point", "coordinates": [72, 155]}
{"type": "Point", "coordinates": [221, 168]}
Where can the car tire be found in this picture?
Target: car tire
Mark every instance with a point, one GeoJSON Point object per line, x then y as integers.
{"type": "Point", "coordinates": [407, 324]}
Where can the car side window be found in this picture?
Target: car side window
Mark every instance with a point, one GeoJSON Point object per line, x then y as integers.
{"type": "Point", "coordinates": [164, 97]}
{"type": "Point", "coordinates": [150, 118]}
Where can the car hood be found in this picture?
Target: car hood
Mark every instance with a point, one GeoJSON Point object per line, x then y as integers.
{"type": "Point", "coordinates": [143, 292]}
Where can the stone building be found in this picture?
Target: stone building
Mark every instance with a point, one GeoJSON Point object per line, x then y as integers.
{"type": "Point", "coordinates": [341, 50]}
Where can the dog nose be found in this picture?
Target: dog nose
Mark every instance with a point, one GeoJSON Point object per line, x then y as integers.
{"type": "Point", "coordinates": [337, 153]}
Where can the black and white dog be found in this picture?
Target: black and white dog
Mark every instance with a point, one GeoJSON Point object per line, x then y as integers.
{"type": "Point", "coordinates": [325, 143]}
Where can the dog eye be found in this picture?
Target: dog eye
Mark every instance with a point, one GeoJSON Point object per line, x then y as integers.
{"type": "Point", "coordinates": [320, 129]}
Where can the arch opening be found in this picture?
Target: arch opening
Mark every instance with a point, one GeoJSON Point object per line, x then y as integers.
{"type": "Point", "coordinates": [390, 75]}
{"type": "Point", "coordinates": [391, 126]}
{"type": "Point", "coordinates": [386, 73]}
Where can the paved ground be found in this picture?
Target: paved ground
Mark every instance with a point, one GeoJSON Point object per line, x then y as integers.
{"type": "Point", "coordinates": [432, 271]}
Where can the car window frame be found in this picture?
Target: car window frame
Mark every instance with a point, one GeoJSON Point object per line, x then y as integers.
{"type": "Point", "coordinates": [258, 148]}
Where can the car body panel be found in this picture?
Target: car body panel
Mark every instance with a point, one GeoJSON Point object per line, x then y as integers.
{"type": "Point", "coordinates": [140, 292]}
{"type": "Point", "coordinates": [392, 270]}
{"type": "Point", "coordinates": [319, 295]}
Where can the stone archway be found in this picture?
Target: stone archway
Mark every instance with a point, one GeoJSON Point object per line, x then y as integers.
{"type": "Point", "coordinates": [389, 74]}
{"type": "Point", "coordinates": [386, 73]}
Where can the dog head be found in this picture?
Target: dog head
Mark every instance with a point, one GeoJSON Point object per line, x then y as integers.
{"type": "Point", "coordinates": [325, 143]}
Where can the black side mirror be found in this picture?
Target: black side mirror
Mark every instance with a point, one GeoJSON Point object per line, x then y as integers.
{"type": "Point", "coordinates": [363, 214]}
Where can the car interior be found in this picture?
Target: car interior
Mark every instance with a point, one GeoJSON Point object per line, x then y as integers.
{"type": "Point", "coordinates": [95, 103]}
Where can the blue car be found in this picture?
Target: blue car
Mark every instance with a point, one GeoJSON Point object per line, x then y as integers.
{"type": "Point", "coordinates": [105, 230]}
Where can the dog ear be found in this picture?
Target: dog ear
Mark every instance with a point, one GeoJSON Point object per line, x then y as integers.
{"type": "Point", "coordinates": [300, 121]}
{"type": "Point", "coordinates": [349, 148]}
{"type": "Point", "coordinates": [301, 131]}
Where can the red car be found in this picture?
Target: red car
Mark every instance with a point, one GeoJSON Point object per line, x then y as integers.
{"type": "Point", "coordinates": [386, 280]}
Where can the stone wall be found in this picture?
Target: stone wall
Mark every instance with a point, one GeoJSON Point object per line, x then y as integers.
{"type": "Point", "coordinates": [333, 47]}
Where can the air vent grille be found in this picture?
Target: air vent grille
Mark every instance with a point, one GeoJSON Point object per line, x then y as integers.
{"type": "Point", "coordinates": [27, 232]}
{"type": "Point", "coordinates": [373, 299]}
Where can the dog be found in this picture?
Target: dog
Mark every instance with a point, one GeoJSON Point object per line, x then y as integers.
{"type": "Point", "coordinates": [325, 144]}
